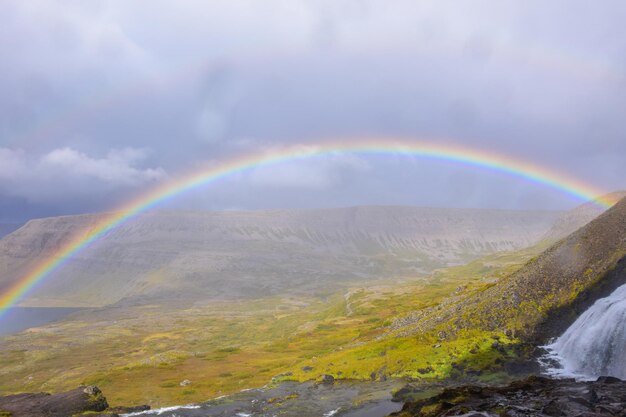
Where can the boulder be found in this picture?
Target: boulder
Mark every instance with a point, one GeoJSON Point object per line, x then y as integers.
{"type": "Point", "coordinates": [128, 410]}
{"type": "Point", "coordinates": [531, 397]}
{"type": "Point", "coordinates": [77, 401]}
{"type": "Point", "coordinates": [326, 379]}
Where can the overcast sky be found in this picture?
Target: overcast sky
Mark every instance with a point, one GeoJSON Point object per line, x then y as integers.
{"type": "Point", "coordinates": [101, 100]}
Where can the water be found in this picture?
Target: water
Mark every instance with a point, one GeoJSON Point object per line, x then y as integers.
{"type": "Point", "coordinates": [292, 399]}
{"type": "Point", "coordinates": [18, 319]}
{"type": "Point", "coordinates": [595, 344]}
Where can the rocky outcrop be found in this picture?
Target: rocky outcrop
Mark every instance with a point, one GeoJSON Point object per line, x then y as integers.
{"type": "Point", "coordinates": [532, 397]}
{"type": "Point", "coordinates": [87, 400]}
{"type": "Point", "coordinates": [65, 404]}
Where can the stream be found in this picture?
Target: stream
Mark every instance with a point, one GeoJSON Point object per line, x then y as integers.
{"type": "Point", "coordinates": [293, 399]}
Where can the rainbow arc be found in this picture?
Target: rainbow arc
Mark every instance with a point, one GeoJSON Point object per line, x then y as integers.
{"type": "Point", "coordinates": [431, 149]}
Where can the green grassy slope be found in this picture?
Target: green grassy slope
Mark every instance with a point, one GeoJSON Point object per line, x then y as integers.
{"type": "Point", "coordinates": [141, 354]}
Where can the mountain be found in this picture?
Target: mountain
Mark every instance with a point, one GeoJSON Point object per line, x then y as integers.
{"type": "Point", "coordinates": [574, 219]}
{"type": "Point", "coordinates": [547, 294]}
{"type": "Point", "coordinates": [362, 328]}
{"type": "Point", "coordinates": [193, 255]}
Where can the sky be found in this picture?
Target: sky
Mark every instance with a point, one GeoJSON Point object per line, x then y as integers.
{"type": "Point", "coordinates": [103, 100]}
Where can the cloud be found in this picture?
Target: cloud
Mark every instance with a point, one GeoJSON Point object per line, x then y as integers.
{"type": "Point", "coordinates": [192, 80]}
{"type": "Point", "coordinates": [67, 173]}
{"type": "Point", "coordinates": [315, 173]}
{"type": "Point", "coordinates": [12, 164]}
{"type": "Point", "coordinates": [116, 168]}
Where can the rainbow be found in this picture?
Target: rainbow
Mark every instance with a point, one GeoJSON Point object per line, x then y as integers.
{"type": "Point", "coordinates": [431, 149]}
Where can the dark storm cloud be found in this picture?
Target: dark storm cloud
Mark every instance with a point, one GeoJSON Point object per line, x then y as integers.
{"type": "Point", "coordinates": [183, 83]}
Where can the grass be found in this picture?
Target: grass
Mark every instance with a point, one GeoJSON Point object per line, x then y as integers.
{"type": "Point", "coordinates": [140, 355]}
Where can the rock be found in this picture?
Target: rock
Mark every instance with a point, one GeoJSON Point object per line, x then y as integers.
{"type": "Point", "coordinates": [307, 368]}
{"type": "Point", "coordinates": [79, 400]}
{"type": "Point", "coordinates": [128, 410]}
{"type": "Point", "coordinates": [286, 374]}
{"type": "Point", "coordinates": [185, 382]}
{"type": "Point", "coordinates": [498, 346]}
{"type": "Point", "coordinates": [87, 400]}
{"type": "Point", "coordinates": [92, 390]}
{"type": "Point", "coordinates": [531, 397]}
{"type": "Point", "coordinates": [608, 380]}
{"type": "Point", "coordinates": [405, 393]}
{"type": "Point", "coordinates": [473, 372]}
{"type": "Point", "coordinates": [102, 415]}
{"type": "Point", "coordinates": [326, 379]}
{"type": "Point", "coordinates": [521, 367]}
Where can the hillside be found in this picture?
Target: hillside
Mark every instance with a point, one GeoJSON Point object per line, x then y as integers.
{"type": "Point", "coordinates": [543, 297]}
{"type": "Point", "coordinates": [366, 330]}
{"type": "Point", "coordinates": [574, 219]}
{"type": "Point", "coordinates": [195, 255]}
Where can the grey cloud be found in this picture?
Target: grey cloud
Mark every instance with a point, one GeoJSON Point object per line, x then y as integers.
{"type": "Point", "coordinates": [196, 81]}
{"type": "Point", "coordinates": [66, 174]}
{"type": "Point", "coordinates": [306, 174]}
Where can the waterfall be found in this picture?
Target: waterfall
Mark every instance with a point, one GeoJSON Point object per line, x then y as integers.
{"type": "Point", "coordinates": [595, 344]}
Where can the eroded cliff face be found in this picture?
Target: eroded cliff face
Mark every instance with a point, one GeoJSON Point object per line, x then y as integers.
{"type": "Point", "coordinates": [231, 254]}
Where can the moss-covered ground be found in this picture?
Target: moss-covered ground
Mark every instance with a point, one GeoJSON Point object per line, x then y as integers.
{"type": "Point", "coordinates": [140, 355]}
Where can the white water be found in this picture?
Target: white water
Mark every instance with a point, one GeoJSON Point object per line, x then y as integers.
{"type": "Point", "coordinates": [160, 411]}
{"type": "Point", "coordinates": [595, 344]}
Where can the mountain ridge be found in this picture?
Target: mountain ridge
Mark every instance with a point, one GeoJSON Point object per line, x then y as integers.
{"type": "Point", "coordinates": [574, 219]}
{"type": "Point", "coordinates": [229, 254]}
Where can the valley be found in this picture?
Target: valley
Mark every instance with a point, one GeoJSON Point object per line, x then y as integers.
{"type": "Point", "coordinates": [141, 347]}
{"type": "Point", "coordinates": [309, 208]}
{"type": "Point", "coordinates": [141, 354]}
{"type": "Point", "coordinates": [431, 328]}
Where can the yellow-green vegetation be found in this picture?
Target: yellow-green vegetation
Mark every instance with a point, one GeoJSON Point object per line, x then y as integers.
{"type": "Point", "coordinates": [164, 356]}
{"type": "Point", "coordinates": [547, 293]}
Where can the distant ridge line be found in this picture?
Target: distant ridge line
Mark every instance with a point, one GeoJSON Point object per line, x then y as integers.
{"type": "Point", "coordinates": [431, 149]}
